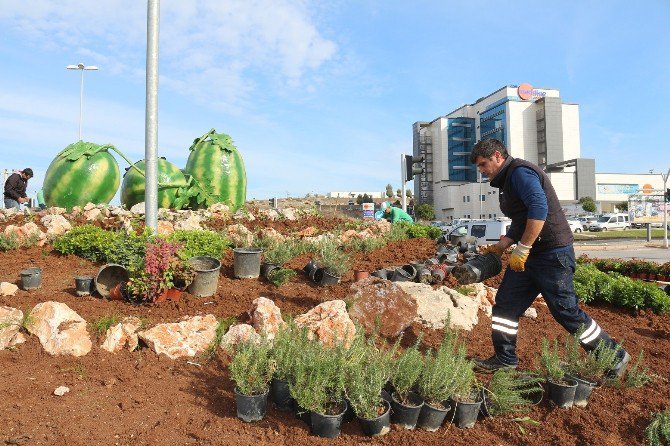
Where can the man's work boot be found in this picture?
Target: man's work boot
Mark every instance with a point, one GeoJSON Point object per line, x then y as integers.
{"type": "Point", "coordinates": [620, 367]}
{"type": "Point", "coordinates": [491, 364]}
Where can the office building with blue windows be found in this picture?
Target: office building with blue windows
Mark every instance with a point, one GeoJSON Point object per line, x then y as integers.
{"type": "Point", "coordinates": [533, 123]}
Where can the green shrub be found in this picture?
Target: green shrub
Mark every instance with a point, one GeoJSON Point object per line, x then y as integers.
{"type": "Point", "coordinates": [334, 260]}
{"type": "Point", "coordinates": [658, 430]}
{"type": "Point", "coordinates": [406, 370]}
{"type": "Point", "coordinates": [102, 324]}
{"type": "Point", "coordinates": [127, 249]}
{"type": "Point", "coordinates": [279, 253]}
{"type": "Point", "coordinates": [86, 241]}
{"type": "Point", "coordinates": [367, 244]}
{"type": "Point", "coordinates": [509, 391]}
{"type": "Point", "coordinates": [251, 368]}
{"type": "Point", "coordinates": [551, 361]}
{"type": "Point", "coordinates": [418, 230]}
{"type": "Point", "coordinates": [9, 242]}
{"type": "Point", "coordinates": [280, 276]}
{"type": "Point", "coordinates": [288, 344]}
{"type": "Point", "coordinates": [638, 375]}
{"type": "Point", "coordinates": [200, 243]}
{"type": "Point", "coordinates": [424, 212]}
{"type": "Point", "coordinates": [398, 232]}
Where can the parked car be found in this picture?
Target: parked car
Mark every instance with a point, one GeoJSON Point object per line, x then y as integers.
{"type": "Point", "coordinates": [610, 221]}
{"type": "Point", "coordinates": [575, 225]}
{"type": "Point", "coordinates": [483, 231]}
{"type": "Point", "coordinates": [586, 221]}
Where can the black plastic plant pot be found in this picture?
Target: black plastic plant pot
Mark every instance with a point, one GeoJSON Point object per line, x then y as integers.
{"type": "Point", "coordinates": [327, 426]}
{"type": "Point", "coordinates": [301, 413]}
{"type": "Point", "coordinates": [310, 268]}
{"type": "Point", "coordinates": [381, 273]}
{"type": "Point", "coordinates": [432, 417]}
{"type": "Point", "coordinates": [349, 413]}
{"type": "Point", "coordinates": [247, 262]}
{"type": "Point", "coordinates": [251, 408]}
{"type": "Point", "coordinates": [324, 278]}
{"type": "Point", "coordinates": [405, 273]}
{"type": "Point", "coordinates": [83, 285]}
{"type": "Point", "coordinates": [478, 269]}
{"type": "Point", "coordinates": [583, 390]}
{"type": "Point", "coordinates": [406, 415]}
{"type": "Point", "coordinates": [563, 394]}
{"type": "Point", "coordinates": [466, 413]}
{"type": "Point", "coordinates": [377, 427]}
{"type": "Point", "coordinates": [281, 395]}
{"type": "Point", "coordinates": [267, 268]}
{"type": "Point", "coordinates": [31, 278]}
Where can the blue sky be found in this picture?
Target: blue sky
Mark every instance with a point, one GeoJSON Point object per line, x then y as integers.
{"type": "Point", "coordinates": [321, 95]}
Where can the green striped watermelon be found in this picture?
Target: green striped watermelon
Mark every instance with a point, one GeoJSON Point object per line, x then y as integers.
{"type": "Point", "coordinates": [216, 164]}
{"type": "Point", "coordinates": [83, 172]}
{"type": "Point", "coordinates": [170, 179]}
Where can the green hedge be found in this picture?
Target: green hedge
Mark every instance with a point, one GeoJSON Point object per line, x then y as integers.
{"type": "Point", "coordinates": [592, 285]}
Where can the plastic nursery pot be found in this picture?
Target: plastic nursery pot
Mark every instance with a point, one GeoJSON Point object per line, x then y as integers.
{"type": "Point", "coordinates": [83, 285]}
{"type": "Point", "coordinates": [206, 276]}
{"type": "Point", "coordinates": [31, 278]}
{"type": "Point", "coordinates": [324, 278]}
{"type": "Point", "coordinates": [251, 408]}
{"type": "Point", "coordinates": [327, 426]}
{"type": "Point", "coordinates": [267, 268]}
{"type": "Point", "coordinates": [310, 268]}
{"type": "Point", "coordinates": [171, 294]}
{"type": "Point", "coordinates": [247, 262]}
{"type": "Point", "coordinates": [405, 273]}
{"type": "Point", "coordinates": [583, 390]}
{"type": "Point", "coordinates": [117, 292]}
{"type": "Point", "coordinates": [301, 413]}
{"type": "Point", "coordinates": [406, 415]}
{"type": "Point", "coordinates": [381, 425]}
{"type": "Point", "coordinates": [108, 277]}
{"type": "Point", "coordinates": [465, 413]}
{"type": "Point", "coordinates": [478, 269]}
{"type": "Point", "coordinates": [360, 275]}
{"type": "Point", "coordinates": [431, 417]}
{"type": "Point", "coordinates": [563, 394]}
{"type": "Point", "coordinates": [280, 395]}
{"type": "Point", "coordinates": [381, 273]}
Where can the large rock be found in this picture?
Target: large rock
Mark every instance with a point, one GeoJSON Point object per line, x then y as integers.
{"type": "Point", "coordinates": [164, 227]}
{"type": "Point", "coordinates": [328, 322]}
{"type": "Point", "coordinates": [186, 338]}
{"type": "Point", "coordinates": [238, 334]}
{"type": "Point", "coordinates": [8, 289]}
{"type": "Point", "coordinates": [289, 214]}
{"type": "Point", "coordinates": [266, 317]}
{"type": "Point", "coordinates": [436, 306]}
{"type": "Point", "coordinates": [122, 334]}
{"type": "Point", "coordinates": [55, 224]}
{"type": "Point", "coordinates": [10, 327]}
{"type": "Point", "coordinates": [381, 300]}
{"type": "Point", "coordinates": [93, 214]}
{"type": "Point", "coordinates": [60, 329]}
{"type": "Point", "coordinates": [192, 223]}
{"type": "Point", "coordinates": [239, 235]}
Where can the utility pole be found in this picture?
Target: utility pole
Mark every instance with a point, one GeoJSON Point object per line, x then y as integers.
{"type": "Point", "coordinates": [665, 208]}
{"type": "Point", "coordinates": [403, 178]}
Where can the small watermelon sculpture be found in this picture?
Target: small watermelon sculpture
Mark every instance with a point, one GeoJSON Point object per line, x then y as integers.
{"type": "Point", "coordinates": [218, 170]}
{"type": "Point", "coordinates": [83, 172]}
{"type": "Point", "coordinates": [171, 181]}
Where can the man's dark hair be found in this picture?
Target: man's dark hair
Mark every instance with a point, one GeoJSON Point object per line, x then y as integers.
{"type": "Point", "coordinates": [28, 172]}
{"type": "Point", "coordinates": [486, 148]}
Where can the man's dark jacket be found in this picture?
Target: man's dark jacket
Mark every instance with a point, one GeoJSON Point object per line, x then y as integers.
{"type": "Point", "coordinates": [15, 187]}
{"type": "Point", "coordinates": [556, 230]}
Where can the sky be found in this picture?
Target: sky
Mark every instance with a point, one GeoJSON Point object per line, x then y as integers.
{"type": "Point", "coordinates": [321, 96]}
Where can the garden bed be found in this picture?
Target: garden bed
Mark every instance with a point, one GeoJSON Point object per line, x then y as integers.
{"type": "Point", "coordinates": [140, 398]}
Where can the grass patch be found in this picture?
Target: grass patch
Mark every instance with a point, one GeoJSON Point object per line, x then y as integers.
{"type": "Point", "coordinates": [221, 329]}
{"type": "Point", "coordinates": [628, 233]}
{"type": "Point", "coordinates": [102, 324]}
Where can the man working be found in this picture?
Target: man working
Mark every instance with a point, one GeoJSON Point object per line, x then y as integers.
{"type": "Point", "coordinates": [15, 188]}
{"type": "Point", "coordinates": [395, 214]}
{"type": "Point", "coordinates": [543, 260]}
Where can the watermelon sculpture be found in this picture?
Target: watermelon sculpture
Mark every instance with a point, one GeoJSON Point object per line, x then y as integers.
{"type": "Point", "coordinates": [218, 169]}
{"type": "Point", "coordinates": [83, 172]}
{"type": "Point", "coordinates": [171, 181]}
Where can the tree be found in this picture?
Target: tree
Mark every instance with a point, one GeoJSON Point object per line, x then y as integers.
{"type": "Point", "coordinates": [587, 204]}
{"type": "Point", "coordinates": [408, 193]}
{"type": "Point", "coordinates": [398, 193]}
{"type": "Point", "coordinates": [389, 191]}
{"type": "Point", "coordinates": [424, 212]}
{"type": "Point", "coordinates": [367, 199]}
{"type": "Point", "coordinates": [359, 199]}
{"type": "Point", "coordinates": [622, 206]}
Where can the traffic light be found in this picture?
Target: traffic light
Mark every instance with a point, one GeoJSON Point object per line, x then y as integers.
{"type": "Point", "coordinates": [273, 203]}
{"type": "Point", "coordinates": [667, 195]}
{"type": "Point", "coordinates": [413, 166]}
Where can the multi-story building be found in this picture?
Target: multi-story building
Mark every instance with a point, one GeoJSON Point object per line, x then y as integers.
{"type": "Point", "coordinates": [533, 123]}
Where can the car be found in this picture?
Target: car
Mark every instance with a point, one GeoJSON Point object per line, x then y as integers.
{"type": "Point", "coordinates": [575, 225]}
{"type": "Point", "coordinates": [611, 221]}
{"type": "Point", "coordinates": [586, 221]}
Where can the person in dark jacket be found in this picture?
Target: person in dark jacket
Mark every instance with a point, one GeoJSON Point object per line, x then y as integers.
{"type": "Point", "coordinates": [15, 188]}
{"type": "Point", "coordinates": [543, 260]}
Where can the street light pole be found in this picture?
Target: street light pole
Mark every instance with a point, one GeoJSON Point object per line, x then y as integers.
{"type": "Point", "coordinates": [81, 67]}
{"type": "Point", "coordinates": [665, 209]}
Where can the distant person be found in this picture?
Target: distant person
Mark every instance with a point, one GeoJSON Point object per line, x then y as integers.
{"type": "Point", "coordinates": [15, 188]}
{"type": "Point", "coordinates": [394, 214]}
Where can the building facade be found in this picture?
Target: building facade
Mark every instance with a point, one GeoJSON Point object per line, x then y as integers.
{"type": "Point", "coordinates": [533, 123]}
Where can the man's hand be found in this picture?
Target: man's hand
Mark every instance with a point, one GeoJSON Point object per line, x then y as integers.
{"type": "Point", "coordinates": [517, 261]}
{"type": "Point", "coordinates": [23, 200]}
{"type": "Point", "coordinates": [494, 248]}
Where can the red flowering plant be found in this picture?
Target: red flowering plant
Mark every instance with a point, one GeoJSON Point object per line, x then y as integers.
{"type": "Point", "coordinates": [159, 271]}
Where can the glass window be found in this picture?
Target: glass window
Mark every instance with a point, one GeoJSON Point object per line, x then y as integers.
{"type": "Point", "coordinates": [483, 197]}
{"type": "Point", "coordinates": [478, 230]}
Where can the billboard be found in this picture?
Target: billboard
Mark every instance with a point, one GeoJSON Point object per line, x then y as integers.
{"type": "Point", "coordinates": [648, 207]}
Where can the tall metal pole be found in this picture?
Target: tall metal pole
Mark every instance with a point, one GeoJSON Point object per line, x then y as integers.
{"type": "Point", "coordinates": [403, 178]}
{"type": "Point", "coordinates": [481, 203]}
{"type": "Point", "coordinates": [665, 209]}
{"type": "Point", "coordinates": [81, 102]}
{"type": "Point", "coordinates": [151, 118]}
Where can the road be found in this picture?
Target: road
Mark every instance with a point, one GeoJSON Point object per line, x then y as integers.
{"type": "Point", "coordinates": [623, 249]}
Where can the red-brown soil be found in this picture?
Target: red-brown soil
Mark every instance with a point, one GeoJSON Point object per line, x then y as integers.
{"type": "Point", "coordinates": [139, 398]}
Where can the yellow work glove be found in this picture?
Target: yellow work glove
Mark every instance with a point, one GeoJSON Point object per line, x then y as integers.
{"type": "Point", "coordinates": [494, 248]}
{"type": "Point", "coordinates": [517, 261]}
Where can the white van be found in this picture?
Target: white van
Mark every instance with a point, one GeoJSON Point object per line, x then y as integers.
{"type": "Point", "coordinates": [485, 232]}
{"type": "Point", "coordinates": [610, 221]}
